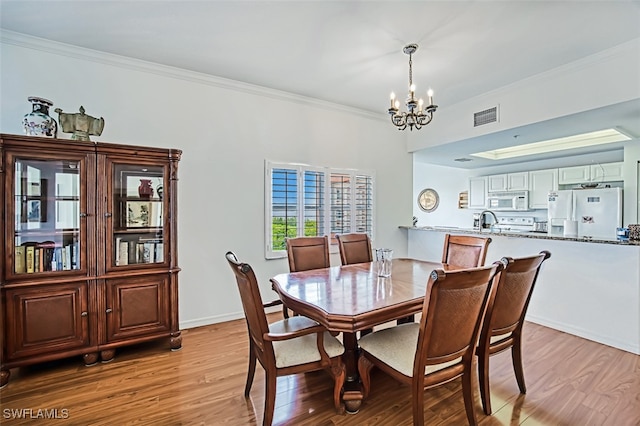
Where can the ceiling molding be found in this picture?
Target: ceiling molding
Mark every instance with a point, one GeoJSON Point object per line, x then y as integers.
{"type": "Point", "coordinates": [104, 58]}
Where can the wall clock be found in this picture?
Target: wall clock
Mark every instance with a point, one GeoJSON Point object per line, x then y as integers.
{"type": "Point", "coordinates": [428, 200]}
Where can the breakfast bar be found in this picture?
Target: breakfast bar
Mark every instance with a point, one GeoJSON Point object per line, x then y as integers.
{"type": "Point", "coordinates": [589, 288]}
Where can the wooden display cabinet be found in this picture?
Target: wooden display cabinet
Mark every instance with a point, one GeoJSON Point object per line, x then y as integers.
{"type": "Point", "coordinates": [89, 260]}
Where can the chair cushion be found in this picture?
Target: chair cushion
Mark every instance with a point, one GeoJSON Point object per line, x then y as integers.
{"type": "Point", "coordinates": [304, 349]}
{"type": "Point", "coordinates": [494, 339]}
{"type": "Point", "coordinates": [396, 347]}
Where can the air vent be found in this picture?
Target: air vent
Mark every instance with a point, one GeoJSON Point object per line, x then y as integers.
{"type": "Point", "coordinates": [485, 117]}
{"type": "Point", "coordinates": [462, 159]}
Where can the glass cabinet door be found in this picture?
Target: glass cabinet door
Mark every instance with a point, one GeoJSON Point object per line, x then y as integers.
{"type": "Point", "coordinates": [47, 212]}
{"type": "Point", "coordinates": [139, 214]}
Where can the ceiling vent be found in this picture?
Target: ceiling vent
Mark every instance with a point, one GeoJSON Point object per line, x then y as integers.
{"type": "Point", "coordinates": [462, 159]}
{"type": "Point", "coordinates": [485, 117]}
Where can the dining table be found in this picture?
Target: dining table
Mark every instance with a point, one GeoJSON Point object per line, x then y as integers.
{"type": "Point", "coordinates": [353, 298]}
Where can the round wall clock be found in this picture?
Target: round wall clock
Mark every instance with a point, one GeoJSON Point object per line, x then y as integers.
{"type": "Point", "coordinates": [428, 200]}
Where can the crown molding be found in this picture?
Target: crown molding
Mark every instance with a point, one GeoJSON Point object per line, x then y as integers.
{"type": "Point", "coordinates": [76, 52]}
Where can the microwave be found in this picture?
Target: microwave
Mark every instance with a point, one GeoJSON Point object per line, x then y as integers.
{"type": "Point", "coordinates": [508, 201]}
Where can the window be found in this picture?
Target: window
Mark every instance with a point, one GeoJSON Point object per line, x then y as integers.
{"type": "Point", "coordinates": [302, 200]}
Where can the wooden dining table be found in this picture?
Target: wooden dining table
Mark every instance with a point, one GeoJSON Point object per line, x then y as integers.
{"type": "Point", "coordinates": [354, 298]}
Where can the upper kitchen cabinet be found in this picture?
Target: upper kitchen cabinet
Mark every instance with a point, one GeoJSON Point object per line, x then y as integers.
{"type": "Point", "coordinates": [478, 192]}
{"type": "Point", "coordinates": [607, 172]}
{"type": "Point", "coordinates": [508, 182]}
{"type": "Point", "coordinates": [540, 183]}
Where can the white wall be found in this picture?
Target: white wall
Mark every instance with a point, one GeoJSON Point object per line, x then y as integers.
{"type": "Point", "coordinates": [226, 130]}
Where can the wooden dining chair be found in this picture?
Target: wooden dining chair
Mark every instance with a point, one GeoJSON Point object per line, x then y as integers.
{"type": "Point", "coordinates": [461, 251]}
{"type": "Point", "coordinates": [441, 347]}
{"type": "Point", "coordinates": [304, 254]}
{"type": "Point", "coordinates": [502, 328]}
{"type": "Point", "coordinates": [290, 346]}
{"type": "Point", "coordinates": [465, 251]}
{"type": "Point", "coordinates": [354, 248]}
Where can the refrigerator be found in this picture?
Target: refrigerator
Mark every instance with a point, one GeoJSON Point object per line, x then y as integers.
{"type": "Point", "coordinates": [594, 213]}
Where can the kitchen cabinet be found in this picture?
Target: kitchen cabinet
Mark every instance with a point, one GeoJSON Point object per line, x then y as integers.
{"type": "Point", "coordinates": [606, 172]}
{"type": "Point", "coordinates": [540, 183]}
{"type": "Point", "coordinates": [89, 260]}
{"type": "Point", "coordinates": [508, 182]}
{"type": "Point", "coordinates": [478, 192]}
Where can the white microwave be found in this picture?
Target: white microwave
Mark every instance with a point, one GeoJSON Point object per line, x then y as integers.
{"type": "Point", "coordinates": [508, 201]}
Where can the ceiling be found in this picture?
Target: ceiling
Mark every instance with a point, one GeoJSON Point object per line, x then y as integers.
{"type": "Point", "coordinates": [345, 52]}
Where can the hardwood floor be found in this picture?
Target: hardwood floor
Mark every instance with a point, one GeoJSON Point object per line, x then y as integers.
{"type": "Point", "coordinates": [570, 381]}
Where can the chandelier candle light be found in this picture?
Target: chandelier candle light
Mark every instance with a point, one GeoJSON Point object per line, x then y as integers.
{"type": "Point", "coordinates": [417, 115]}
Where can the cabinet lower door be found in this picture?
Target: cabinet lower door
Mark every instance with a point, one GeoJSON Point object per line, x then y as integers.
{"type": "Point", "coordinates": [45, 319]}
{"type": "Point", "coordinates": [137, 306]}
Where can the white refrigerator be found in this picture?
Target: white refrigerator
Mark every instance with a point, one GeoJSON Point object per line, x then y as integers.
{"type": "Point", "coordinates": [598, 212]}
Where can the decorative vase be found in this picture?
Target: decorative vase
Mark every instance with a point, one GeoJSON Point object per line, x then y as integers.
{"type": "Point", "coordinates": [38, 122]}
{"type": "Point", "coordinates": [145, 190]}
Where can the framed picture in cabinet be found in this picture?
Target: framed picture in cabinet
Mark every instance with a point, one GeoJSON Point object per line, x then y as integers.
{"type": "Point", "coordinates": [34, 202]}
{"type": "Point", "coordinates": [143, 214]}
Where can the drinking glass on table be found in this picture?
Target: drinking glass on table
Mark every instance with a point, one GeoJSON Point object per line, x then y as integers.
{"type": "Point", "coordinates": [383, 261]}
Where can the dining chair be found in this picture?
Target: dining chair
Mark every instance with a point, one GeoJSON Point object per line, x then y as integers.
{"type": "Point", "coordinates": [465, 251]}
{"type": "Point", "coordinates": [354, 248]}
{"type": "Point", "coordinates": [462, 251]}
{"type": "Point", "coordinates": [441, 347]}
{"type": "Point", "coordinates": [306, 253]}
{"type": "Point", "coordinates": [502, 328]}
{"type": "Point", "coordinates": [290, 346]}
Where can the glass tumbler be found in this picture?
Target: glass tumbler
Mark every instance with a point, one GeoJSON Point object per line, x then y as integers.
{"type": "Point", "coordinates": [384, 256]}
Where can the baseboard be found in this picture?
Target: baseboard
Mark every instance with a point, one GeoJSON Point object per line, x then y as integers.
{"type": "Point", "coordinates": [199, 322]}
{"type": "Point", "coordinates": [587, 334]}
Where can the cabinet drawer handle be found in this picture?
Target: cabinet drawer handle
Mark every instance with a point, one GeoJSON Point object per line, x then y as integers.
{"type": "Point", "coordinates": [109, 310]}
{"type": "Point", "coordinates": [84, 214]}
{"type": "Point", "coordinates": [84, 314]}
{"type": "Point", "coordinates": [107, 215]}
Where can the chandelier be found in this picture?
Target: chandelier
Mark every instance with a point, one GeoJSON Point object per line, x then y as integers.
{"type": "Point", "coordinates": [417, 115]}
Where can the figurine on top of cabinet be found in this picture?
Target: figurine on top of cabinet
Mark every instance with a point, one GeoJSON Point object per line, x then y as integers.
{"type": "Point", "coordinates": [80, 124]}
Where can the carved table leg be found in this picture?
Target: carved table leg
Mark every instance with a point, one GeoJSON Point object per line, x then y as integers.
{"type": "Point", "coordinates": [352, 395]}
{"type": "Point", "coordinates": [4, 377]}
{"type": "Point", "coordinates": [107, 356]}
{"type": "Point", "coordinates": [175, 342]}
{"type": "Point", "coordinates": [90, 359]}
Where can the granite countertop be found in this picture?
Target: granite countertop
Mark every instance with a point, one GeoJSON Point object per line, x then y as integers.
{"type": "Point", "coordinates": [534, 235]}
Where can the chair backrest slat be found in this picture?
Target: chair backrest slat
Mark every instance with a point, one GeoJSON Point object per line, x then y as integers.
{"type": "Point", "coordinates": [465, 251]}
{"type": "Point", "coordinates": [306, 253]}
{"type": "Point", "coordinates": [354, 248]}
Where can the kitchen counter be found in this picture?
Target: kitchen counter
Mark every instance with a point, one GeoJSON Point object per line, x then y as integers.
{"type": "Point", "coordinates": [588, 288]}
{"type": "Point", "coordinates": [519, 234]}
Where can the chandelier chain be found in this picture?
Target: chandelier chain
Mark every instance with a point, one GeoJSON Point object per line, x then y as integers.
{"type": "Point", "coordinates": [410, 70]}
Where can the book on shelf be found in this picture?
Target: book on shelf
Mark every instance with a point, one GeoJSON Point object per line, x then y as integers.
{"type": "Point", "coordinates": [149, 252]}
{"type": "Point", "coordinates": [123, 253]}
{"type": "Point", "coordinates": [159, 252]}
{"type": "Point", "coordinates": [20, 267]}
{"type": "Point", "coordinates": [133, 252]}
{"type": "Point", "coordinates": [117, 249]}
{"type": "Point", "coordinates": [36, 259]}
{"type": "Point", "coordinates": [30, 258]}
{"type": "Point", "coordinates": [59, 258]}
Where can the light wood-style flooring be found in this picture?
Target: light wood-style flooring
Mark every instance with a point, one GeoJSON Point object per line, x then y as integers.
{"type": "Point", "coordinates": [570, 381]}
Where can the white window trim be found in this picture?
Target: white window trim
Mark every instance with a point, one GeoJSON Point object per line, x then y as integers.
{"type": "Point", "coordinates": [300, 169]}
